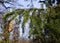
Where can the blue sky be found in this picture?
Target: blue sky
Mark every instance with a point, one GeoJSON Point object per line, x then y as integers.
{"type": "Point", "coordinates": [25, 3]}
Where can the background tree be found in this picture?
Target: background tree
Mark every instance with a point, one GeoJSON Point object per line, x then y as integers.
{"type": "Point", "coordinates": [16, 31]}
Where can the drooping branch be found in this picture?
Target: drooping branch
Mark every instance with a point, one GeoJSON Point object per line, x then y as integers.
{"type": "Point", "coordinates": [3, 1]}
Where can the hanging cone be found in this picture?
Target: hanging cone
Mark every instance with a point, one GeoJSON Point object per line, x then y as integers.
{"type": "Point", "coordinates": [11, 26]}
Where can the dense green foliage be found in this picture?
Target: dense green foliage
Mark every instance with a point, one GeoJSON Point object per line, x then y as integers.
{"type": "Point", "coordinates": [40, 19]}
